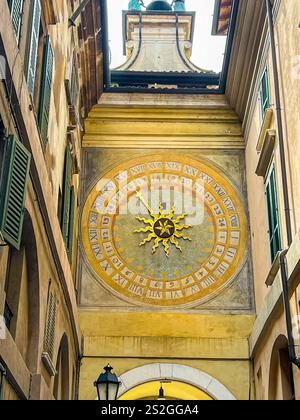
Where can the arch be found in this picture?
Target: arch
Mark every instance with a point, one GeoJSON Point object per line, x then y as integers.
{"type": "Point", "coordinates": [61, 388]}
{"type": "Point", "coordinates": [177, 373]}
{"type": "Point", "coordinates": [281, 381]}
{"type": "Point", "coordinates": [23, 295]}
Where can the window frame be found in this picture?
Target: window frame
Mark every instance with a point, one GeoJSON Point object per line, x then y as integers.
{"type": "Point", "coordinates": [17, 30]}
{"type": "Point", "coordinates": [35, 10]}
{"type": "Point", "coordinates": [265, 98]}
{"type": "Point", "coordinates": [272, 200]}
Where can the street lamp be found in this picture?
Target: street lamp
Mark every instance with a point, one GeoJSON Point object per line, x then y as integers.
{"type": "Point", "coordinates": [107, 385]}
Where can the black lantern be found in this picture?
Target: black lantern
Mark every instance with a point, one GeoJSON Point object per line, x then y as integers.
{"type": "Point", "coordinates": [107, 385]}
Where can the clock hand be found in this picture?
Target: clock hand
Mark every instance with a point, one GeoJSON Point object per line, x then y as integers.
{"type": "Point", "coordinates": [140, 196]}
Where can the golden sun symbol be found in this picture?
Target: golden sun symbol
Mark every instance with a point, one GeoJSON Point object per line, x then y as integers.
{"type": "Point", "coordinates": [163, 228]}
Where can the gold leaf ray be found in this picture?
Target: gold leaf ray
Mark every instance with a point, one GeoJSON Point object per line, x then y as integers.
{"type": "Point", "coordinates": [148, 239]}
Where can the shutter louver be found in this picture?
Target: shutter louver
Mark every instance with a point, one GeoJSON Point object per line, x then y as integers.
{"type": "Point", "coordinates": [273, 214]}
{"type": "Point", "coordinates": [67, 196]}
{"type": "Point", "coordinates": [74, 86]}
{"type": "Point", "coordinates": [13, 190]}
{"type": "Point", "coordinates": [71, 224]}
{"type": "Point", "coordinates": [33, 44]}
{"type": "Point", "coordinates": [49, 340]}
{"type": "Point", "coordinates": [16, 11]}
{"type": "Point", "coordinates": [45, 99]}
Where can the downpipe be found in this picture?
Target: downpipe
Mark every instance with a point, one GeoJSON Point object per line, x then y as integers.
{"type": "Point", "coordinates": [2, 376]}
{"type": "Point", "coordinates": [287, 309]}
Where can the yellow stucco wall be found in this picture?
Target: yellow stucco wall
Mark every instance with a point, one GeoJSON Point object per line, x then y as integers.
{"type": "Point", "coordinates": [287, 48]}
{"type": "Point", "coordinates": [129, 336]}
{"type": "Point", "coordinates": [216, 345]}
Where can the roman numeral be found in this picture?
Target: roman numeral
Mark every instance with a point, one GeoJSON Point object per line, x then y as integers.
{"type": "Point", "coordinates": [93, 218]}
{"type": "Point", "coordinates": [219, 190]}
{"type": "Point", "coordinates": [153, 294]}
{"type": "Point", "coordinates": [97, 252]}
{"type": "Point", "coordinates": [120, 280]}
{"type": "Point", "coordinates": [174, 295]}
{"type": "Point", "coordinates": [106, 267]}
{"type": "Point", "coordinates": [221, 269]}
{"type": "Point", "coordinates": [93, 235]}
{"type": "Point", "coordinates": [138, 169]}
{"type": "Point", "coordinates": [136, 289]}
{"type": "Point", "coordinates": [234, 221]}
{"type": "Point", "coordinates": [192, 290]}
{"type": "Point", "coordinates": [229, 204]}
{"type": "Point", "coordinates": [208, 282]}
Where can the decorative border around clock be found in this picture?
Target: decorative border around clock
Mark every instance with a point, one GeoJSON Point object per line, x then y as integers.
{"type": "Point", "coordinates": [184, 161]}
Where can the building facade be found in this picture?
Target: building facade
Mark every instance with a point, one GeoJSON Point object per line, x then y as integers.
{"type": "Point", "coordinates": [268, 105]}
{"type": "Point", "coordinates": [47, 69]}
{"type": "Point", "coordinates": [154, 303]}
{"type": "Point", "coordinates": [149, 213]}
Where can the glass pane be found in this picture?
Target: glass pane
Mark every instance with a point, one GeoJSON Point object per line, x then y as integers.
{"type": "Point", "coordinates": [102, 391]}
{"type": "Point", "coordinates": [112, 391]}
{"type": "Point", "coordinates": [273, 216]}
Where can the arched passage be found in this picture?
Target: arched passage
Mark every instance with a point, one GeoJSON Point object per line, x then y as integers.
{"type": "Point", "coordinates": [281, 382]}
{"type": "Point", "coordinates": [23, 295]}
{"type": "Point", "coordinates": [61, 389]}
{"type": "Point", "coordinates": [206, 385]}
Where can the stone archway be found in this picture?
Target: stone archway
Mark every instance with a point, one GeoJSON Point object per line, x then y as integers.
{"type": "Point", "coordinates": [61, 388]}
{"type": "Point", "coordinates": [23, 295]}
{"type": "Point", "coordinates": [174, 372]}
{"type": "Point", "coordinates": [281, 381]}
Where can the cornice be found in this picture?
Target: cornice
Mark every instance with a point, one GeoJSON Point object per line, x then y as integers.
{"type": "Point", "coordinates": [139, 127]}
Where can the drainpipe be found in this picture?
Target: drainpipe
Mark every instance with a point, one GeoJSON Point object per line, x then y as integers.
{"type": "Point", "coordinates": [280, 125]}
{"type": "Point", "coordinates": [2, 376]}
{"type": "Point", "coordinates": [78, 370]}
{"type": "Point", "coordinates": [289, 325]}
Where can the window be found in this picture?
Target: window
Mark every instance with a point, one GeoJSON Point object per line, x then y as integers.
{"type": "Point", "coordinates": [33, 43]}
{"type": "Point", "coordinates": [15, 173]}
{"type": "Point", "coordinates": [16, 11]}
{"type": "Point", "coordinates": [264, 93]}
{"type": "Point", "coordinates": [67, 219]}
{"type": "Point", "coordinates": [46, 88]}
{"type": "Point", "coordinates": [273, 213]}
{"type": "Point", "coordinates": [72, 90]}
{"type": "Point", "coordinates": [74, 86]}
{"type": "Point", "coordinates": [49, 338]}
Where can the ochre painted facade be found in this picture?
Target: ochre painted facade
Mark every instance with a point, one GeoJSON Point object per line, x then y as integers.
{"type": "Point", "coordinates": [34, 367]}
{"type": "Point", "coordinates": [209, 335]}
{"type": "Point", "coordinates": [202, 312]}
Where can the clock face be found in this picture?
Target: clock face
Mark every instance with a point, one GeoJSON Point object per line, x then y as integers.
{"type": "Point", "coordinates": [164, 230]}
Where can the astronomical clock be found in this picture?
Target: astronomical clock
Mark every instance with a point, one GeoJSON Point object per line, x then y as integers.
{"type": "Point", "coordinates": [164, 231]}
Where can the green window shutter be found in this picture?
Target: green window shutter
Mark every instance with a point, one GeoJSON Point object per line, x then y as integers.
{"type": "Point", "coordinates": [16, 11]}
{"type": "Point", "coordinates": [71, 224]}
{"type": "Point", "coordinates": [33, 43]}
{"type": "Point", "coordinates": [264, 93]}
{"type": "Point", "coordinates": [66, 196]}
{"type": "Point", "coordinates": [49, 338]}
{"type": "Point", "coordinates": [14, 178]}
{"type": "Point", "coordinates": [46, 88]}
{"type": "Point", "coordinates": [273, 214]}
{"type": "Point", "coordinates": [74, 86]}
